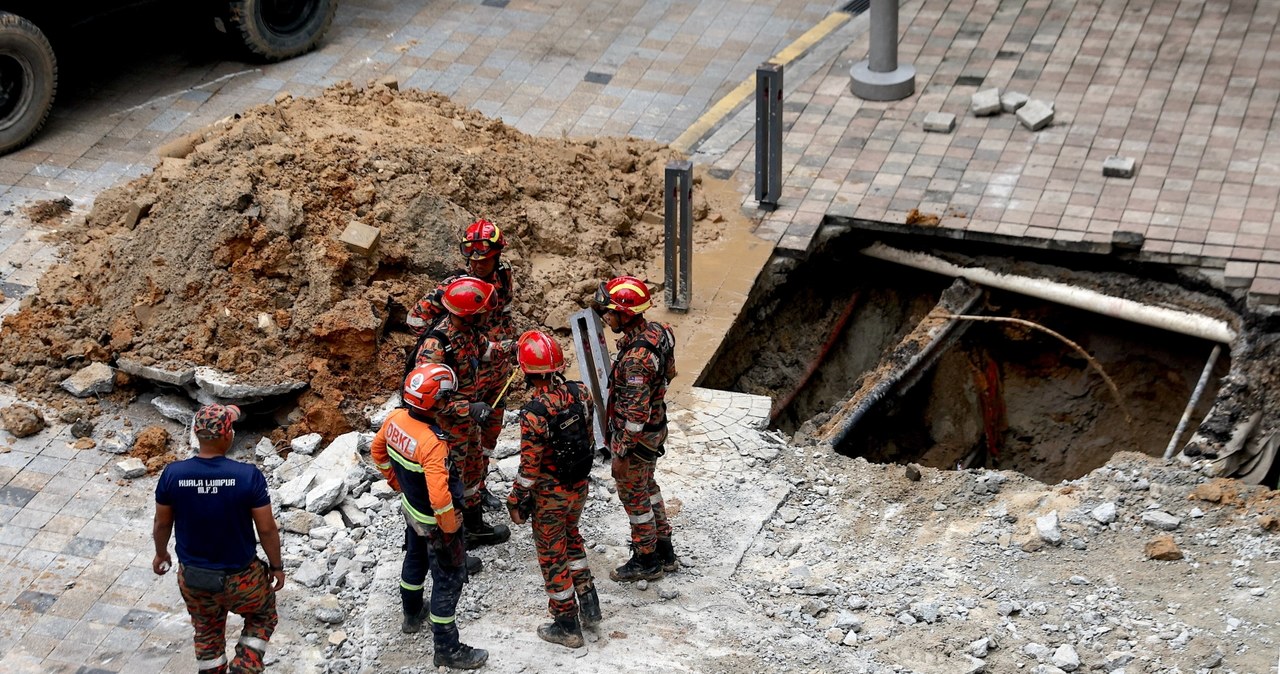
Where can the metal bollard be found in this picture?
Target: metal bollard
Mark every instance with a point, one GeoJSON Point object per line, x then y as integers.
{"type": "Point", "coordinates": [881, 77]}
{"type": "Point", "coordinates": [678, 219]}
{"type": "Point", "coordinates": [768, 135]}
{"type": "Point", "coordinates": [593, 365]}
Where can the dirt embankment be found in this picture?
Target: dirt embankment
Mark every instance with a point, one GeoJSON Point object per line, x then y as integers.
{"type": "Point", "coordinates": [230, 257]}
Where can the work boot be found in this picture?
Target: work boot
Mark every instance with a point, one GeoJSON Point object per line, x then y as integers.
{"type": "Point", "coordinates": [589, 607]}
{"type": "Point", "coordinates": [479, 532]}
{"type": "Point", "coordinates": [641, 566]}
{"type": "Point", "coordinates": [490, 502]}
{"type": "Point", "coordinates": [462, 657]}
{"type": "Point", "coordinates": [667, 555]}
{"type": "Point", "coordinates": [413, 623]}
{"type": "Point", "coordinates": [474, 565]}
{"type": "Point", "coordinates": [564, 631]}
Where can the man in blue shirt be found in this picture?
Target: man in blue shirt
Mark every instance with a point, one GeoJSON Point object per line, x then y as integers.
{"type": "Point", "coordinates": [215, 504]}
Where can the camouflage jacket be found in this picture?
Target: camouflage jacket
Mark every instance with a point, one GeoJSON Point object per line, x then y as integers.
{"type": "Point", "coordinates": [536, 454]}
{"type": "Point", "coordinates": [638, 386]}
{"type": "Point", "coordinates": [461, 350]}
{"type": "Point", "coordinates": [497, 324]}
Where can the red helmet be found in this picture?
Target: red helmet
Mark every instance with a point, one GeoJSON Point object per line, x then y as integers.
{"type": "Point", "coordinates": [425, 384]}
{"type": "Point", "coordinates": [482, 239]}
{"type": "Point", "coordinates": [467, 296]}
{"type": "Point", "coordinates": [538, 353]}
{"type": "Point", "coordinates": [626, 295]}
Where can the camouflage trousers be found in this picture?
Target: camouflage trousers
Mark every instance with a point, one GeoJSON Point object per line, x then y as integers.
{"type": "Point", "coordinates": [247, 594]}
{"type": "Point", "coordinates": [642, 499]}
{"type": "Point", "coordinates": [466, 458]}
{"type": "Point", "coordinates": [561, 552]}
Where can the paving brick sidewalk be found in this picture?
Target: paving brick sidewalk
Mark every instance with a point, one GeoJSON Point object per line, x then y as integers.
{"type": "Point", "coordinates": [1187, 89]}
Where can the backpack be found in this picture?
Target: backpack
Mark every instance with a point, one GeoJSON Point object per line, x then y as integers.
{"type": "Point", "coordinates": [570, 438]}
{"type": "Point", "coordinates": [664, 350]}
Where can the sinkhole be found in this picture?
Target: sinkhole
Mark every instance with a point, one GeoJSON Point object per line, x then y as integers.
{"type": "Point", "coordinates": [1017, 385]}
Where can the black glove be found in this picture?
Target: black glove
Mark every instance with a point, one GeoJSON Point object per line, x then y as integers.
{"type": "Point", "coordinates": [480, 411]}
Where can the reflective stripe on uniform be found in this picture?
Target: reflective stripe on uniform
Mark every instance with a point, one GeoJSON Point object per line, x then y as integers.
{"type": "Point", "coordinates": [413, 512]}
{"type": "Point", "coordinates": [215, 663]}
{"type": "Point", "coordinates": [641, 519]}
{"type": "Point", "coordinates": [578, 564]}
{"type": "Point", "coordinates": [441, 619]}
{"type": "Point", "coordinates": [525, 482]}
{"type": "Point", "coordinates": [382, 466]}
{"type": "Point", "coordinates": [634, 426]}
{"type": "Point", "coordinates": [561, 595]}
{"type": "Point", "coordinates": [255, 643]}
{"type": "Point", "coordinates": [656, 498]}
{"type": "Point", "coordinates": [441, 511]}
{"type": "Point", "coordinates": [410, 586]}
{"type": "Point", "coordinates": [404, 463]}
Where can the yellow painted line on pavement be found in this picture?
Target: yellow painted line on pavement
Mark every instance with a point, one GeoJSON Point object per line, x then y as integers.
{"type": "Point", "coordinates": [733, 99]}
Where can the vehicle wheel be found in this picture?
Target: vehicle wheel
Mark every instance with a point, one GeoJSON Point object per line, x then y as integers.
{"type": "Point", "coordinates": [279, 29]}
{"type": "Point", "coordinates": [28, 81]}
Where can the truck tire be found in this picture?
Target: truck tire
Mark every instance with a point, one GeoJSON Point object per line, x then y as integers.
{"type": "Point", "coordinates": [28, 81]}
{"type": "Point", "coordinates": [274, 30]}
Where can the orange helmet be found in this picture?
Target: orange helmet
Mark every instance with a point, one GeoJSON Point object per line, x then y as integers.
{"type": "Point", "coordinates": [481, 240]}
{"type": "Point", "coordinates": [626, 295]}
{"type": "Point", "coordinates": [425, 384]}
{"type": "Point", "coordinates": [467, 296]}
{"type": "Point", "coordinates": [538, 353]}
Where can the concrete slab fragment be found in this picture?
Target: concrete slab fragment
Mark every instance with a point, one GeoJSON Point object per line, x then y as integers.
{"type": "Point", "coordinates": [1012, 101]}
{"type": "Point", "coordinates": [91, 380]}
{"type": "Point", "coordinates": [985, 102]}
{"type": "Point", "coordinates": [176, 377]}
{"type": "Point", "coordinates": [227, 386]}
{"type": "Point", "coordinates": [360, 238]}
{"type": "Point", "coordinates": [1036, 115]}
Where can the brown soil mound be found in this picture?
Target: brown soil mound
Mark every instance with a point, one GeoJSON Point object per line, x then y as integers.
{"type": "Point", "coordinates": [230, 257]}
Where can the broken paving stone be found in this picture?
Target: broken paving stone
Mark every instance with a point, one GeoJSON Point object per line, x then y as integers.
{"type": "Point", "coordinates": [1047, 528]}
{"type": "Point", "coordinates": [1105, 513]}
{"type": "Point", "coordinates": [985, 102]}
{"type": "Point", "coordinates": [92, 379]}
{"type": "Point", "coordinates": [131, 468]}
{"type": "Point", "coordinates": [178, 408]}
{"type": "Point", "coordinates": [1162, 548]}
{"type": "Point", "coordinates": [1012, 101]}
{"type": "Point", "coordinates": [1035, 115]}
{"type": "Point", "coordinates": [360, 238]}
{"type": "Point", "coordinates": [1161, 520]}
{"type": "Point", "coordinates": [22, 421]}
{"type": "Point", "coordinates": [940, 122]}
{"type": "Point", "coordinates": [1118, 167]}
{"type": "Point", "coordinates": [179, 377]}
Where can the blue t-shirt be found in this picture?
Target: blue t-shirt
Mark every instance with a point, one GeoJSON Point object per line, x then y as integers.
{"type": "Point", "coordinates": [211, 500]}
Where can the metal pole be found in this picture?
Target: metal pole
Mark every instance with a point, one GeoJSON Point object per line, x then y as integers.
{"type": "Point", "coordinates": [593, 365]}
{"type": "Point", "coordinates": [678, 221]}
{"type": "Point", "coordinates": [768, 134]}
{"type": "Point", "coordinates": [884, 36]}
{"type": "Point", "coordinates": [880, 77]}
{"type": "Point", "coordinates": [1195, 398]}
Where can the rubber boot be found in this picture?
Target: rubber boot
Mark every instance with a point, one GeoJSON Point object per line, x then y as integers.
{"type": "Point", "coordinates": [667, 555]}
{"type": "Point", "coordinates": [564, 631]}
{"type": "Point", "coordinates": [413, 623]}
{"type": "Point", "coordinates": [474, 565]}
{"type": "Point", "coordinates": [479, 532]}
{"type": "Point", "coordinates": [490, 502]}
{"type": "Point", "coordinates": [450, 652]}
{"type": "Point", "coordinates": [589, 607]}
{"type": "Point", "coordinates": [641, 566]}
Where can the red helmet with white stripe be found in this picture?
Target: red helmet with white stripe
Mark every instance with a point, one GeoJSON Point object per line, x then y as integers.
{"type": "Point", "coordinates": [426, 384]}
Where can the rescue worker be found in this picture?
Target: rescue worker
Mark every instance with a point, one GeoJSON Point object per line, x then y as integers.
{"type": "Point", "coordinates": [459, 343]}
{"type": "Point", "coordinates": [215, 504]}
{"type": "Point", "coordinates": [637, 422]}
{"type": "Point", "coordinates": [556, 451]}
{"type": "Point", "coordinates": [481, 245]}
{"type": "Point", "coordinates": [409, 453]}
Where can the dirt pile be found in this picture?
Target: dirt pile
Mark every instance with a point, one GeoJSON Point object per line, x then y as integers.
{"type": "Point", "coordinates": [230, 257]}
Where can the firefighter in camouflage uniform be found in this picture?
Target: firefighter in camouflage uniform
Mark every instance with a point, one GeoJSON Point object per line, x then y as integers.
{"type": "Point", "coordinates": [410, 454]}
{"type": "Point", "coordinates": [459, 343]}
{"type": "Point", "coordinates": [482, 244]}
{"type": "Point", "coordinates": [637, 422]}
{"type": "Point", "coordinates": [555, 459]}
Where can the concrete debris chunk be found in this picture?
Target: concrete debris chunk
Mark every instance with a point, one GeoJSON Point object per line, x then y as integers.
{"type": "Point", "coordinates": [353, 514]}
{"type": "Point", "coordinates": [227, 386]}
{"type": "Point", "coordinates": [324, 497]}
{"type": "Point", "coordinates": [971, 665]}
{"type": "Point", "coordinates": [1066, 658]}
{"type": "Point", "coordinates": [360, 238]}
{"type": "Point", "coordinates": [23, 421]}
{"type": "Point", "coordinates": [306, 444]}
{"type": "Point", "coordinates": [178, 408]}
{"type": "Point", "coordinates": [1038, 651]}
{"type": "Point", "coordinates": [1105, 513]}
{"type": "Point", "coordinates": [300, 522]}
{"type": "Point", "coordinates": [179, 377]}
{"type": "Point", "coordinates": [264, 449]}
{"type": "Point", "coordinates": [1161, 520]}
{"type": "Point", "coordinates": [1119, 167]}
{"type": "Point", "coordinates": [980, 647]}
{"type": "Point", "coordinates": [93, 379]}
{"type": "Point", "coordinates": [985, 102]}
{"type": "Point", "coordinates": [940, 122]}
{"type": "Point", "coordinates": [1036, 115]}
{"type": "Point", "coordinates": [293, 494]}
{"type": "Point", "coordinates": [1012, 101]}
{"type": "Point", "coordinates": [1047, 528]}
{"type": "Point", "coordinates": [311, 574]}
{"type": "Point", "coordinates": [131, 468]}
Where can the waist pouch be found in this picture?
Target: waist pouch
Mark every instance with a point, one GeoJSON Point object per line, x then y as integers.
{"type": "Point", "coordinates": [208, 580]}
